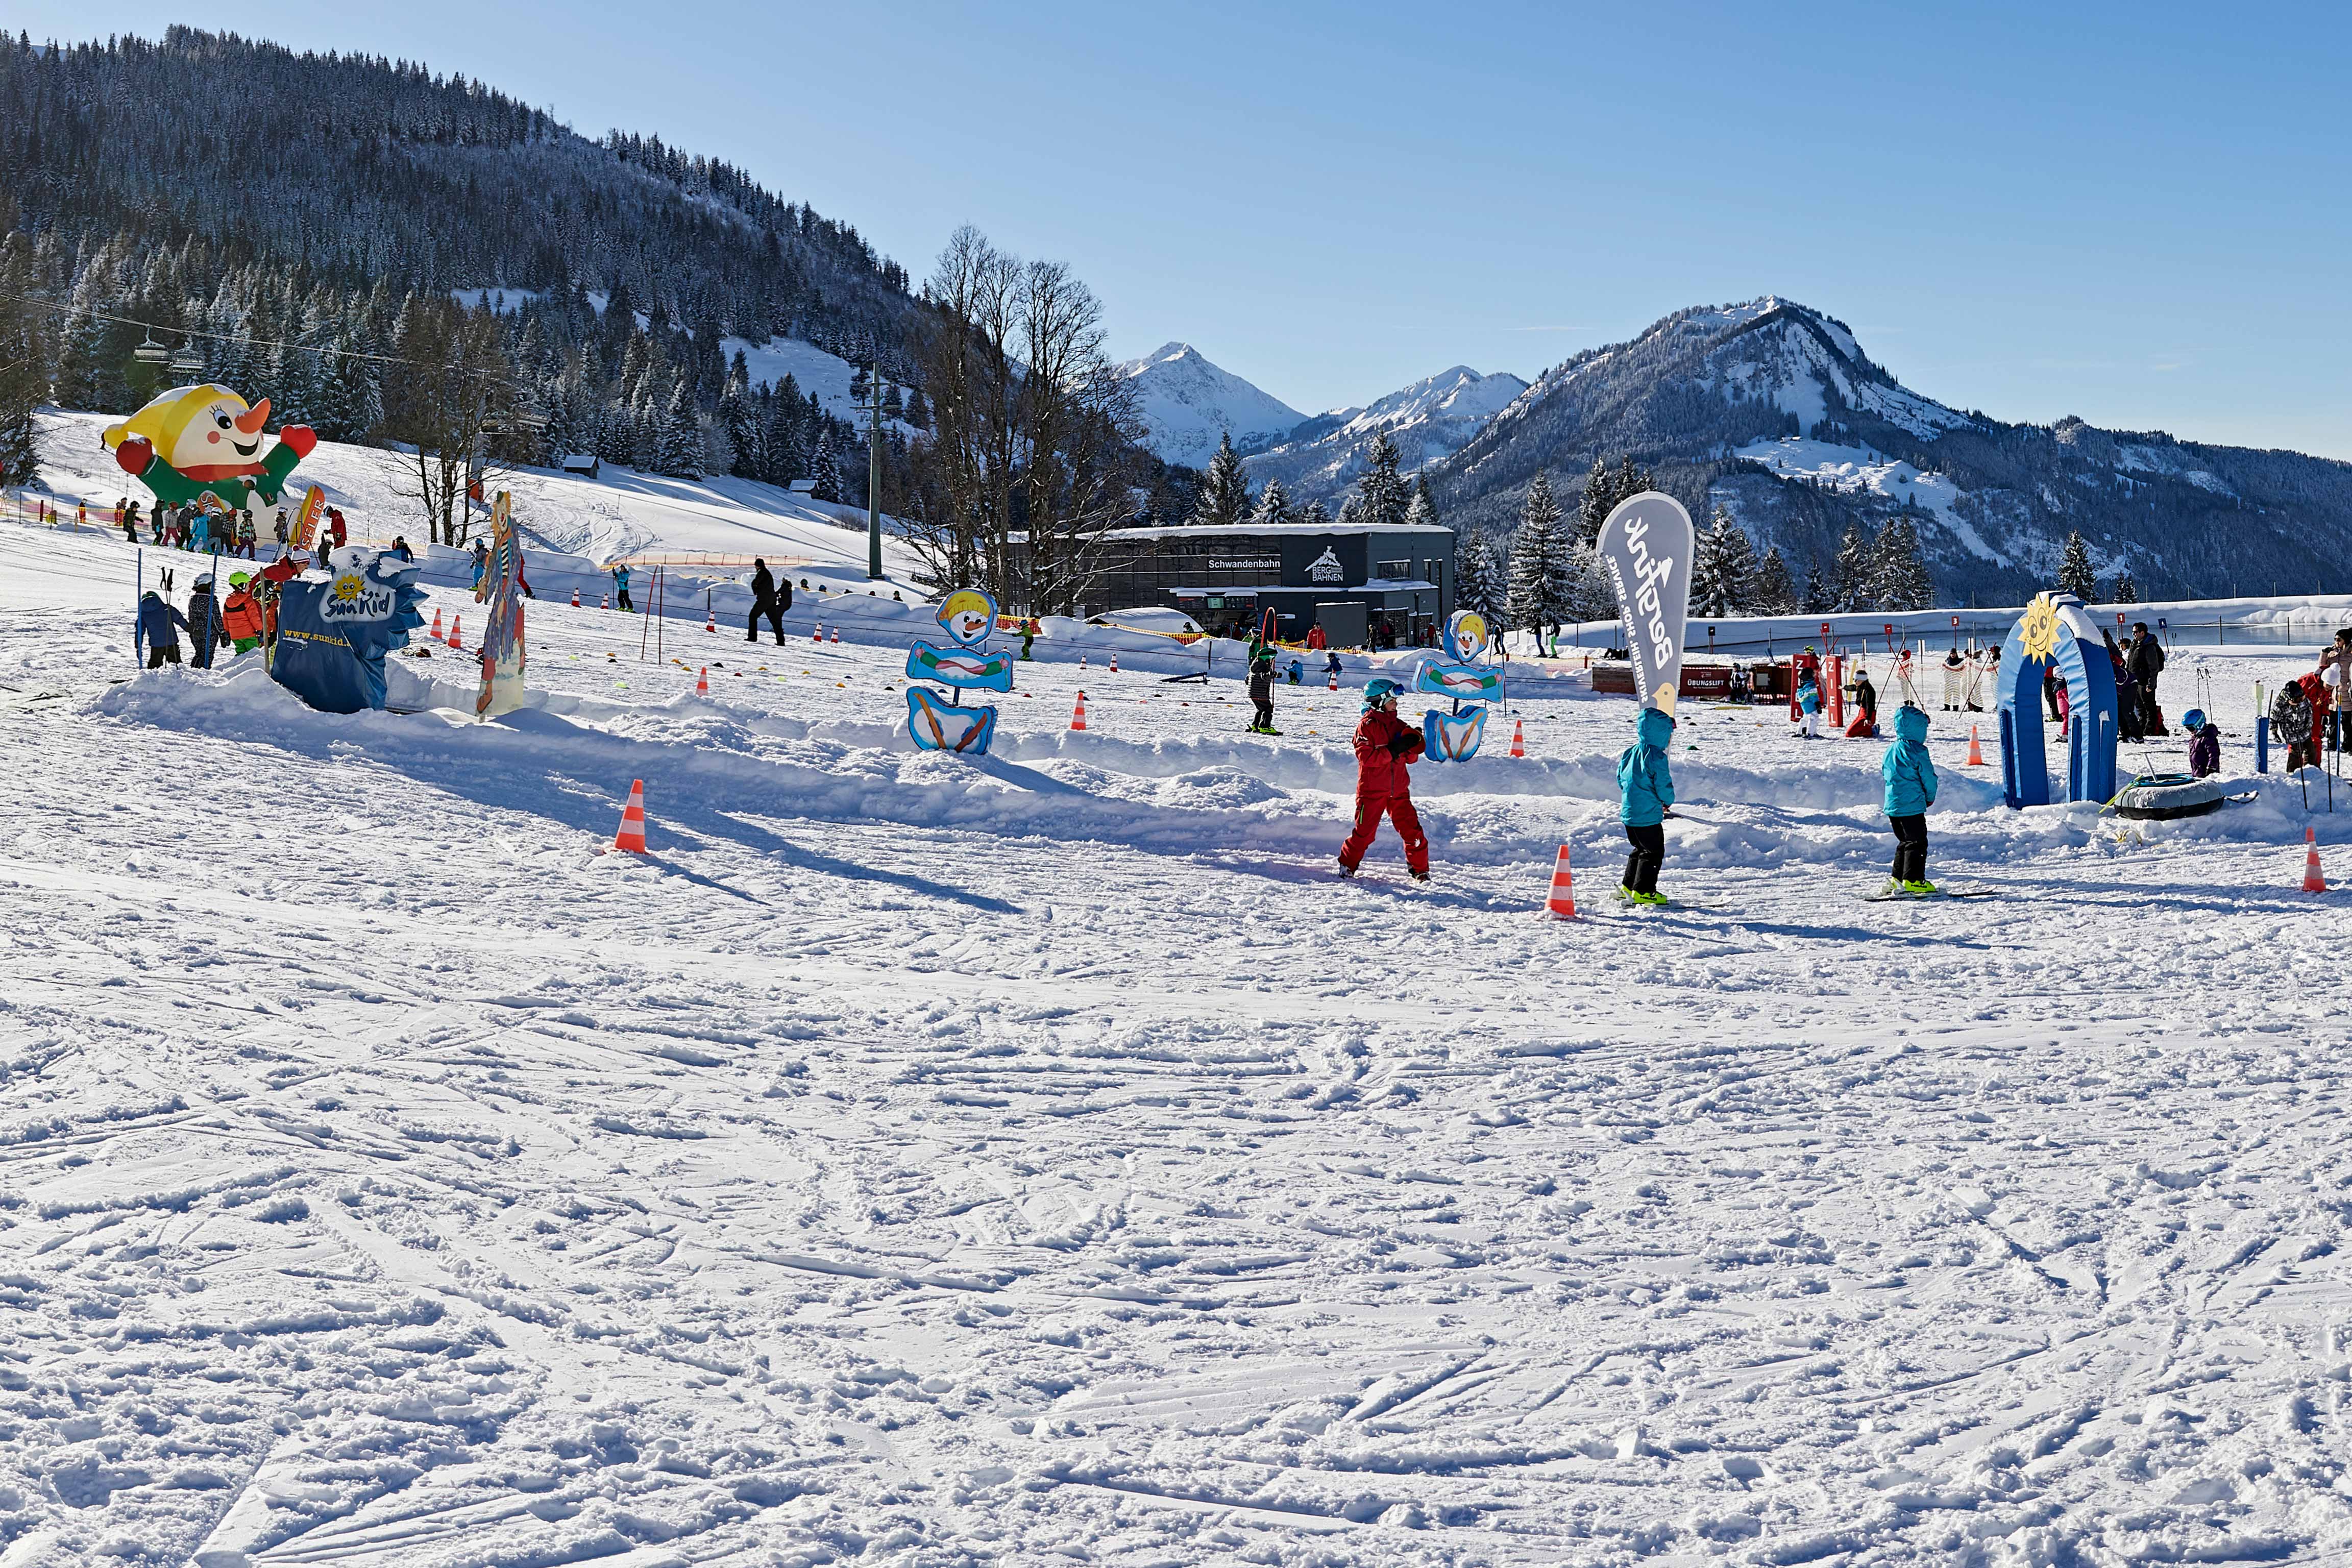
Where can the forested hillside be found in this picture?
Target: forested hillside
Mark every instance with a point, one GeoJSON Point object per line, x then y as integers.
{"type": "Point", "coordinates": [298, 224]}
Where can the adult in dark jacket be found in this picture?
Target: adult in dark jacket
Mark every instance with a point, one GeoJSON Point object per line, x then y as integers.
{"type": "Point", "coordinates": [2293, 724]}
{"type": "Point", "coordinates": [770, 600]}
{"type": "Point", "coordinates": [157, 620]}
{"type": "Point", "coordinates": [1261, 692]}
{"type": "Point", "coordinates": [2146, 659]}
{"type": "Point", "coordinates": [2128, 718]}
{"type": "Point", "coordinates": [207, 628]}
{"type": "Point", "coordinates": [1385, 747]}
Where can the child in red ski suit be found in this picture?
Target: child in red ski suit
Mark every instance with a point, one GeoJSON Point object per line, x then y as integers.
{"type": "Point", "coordinates": [1385, 747]}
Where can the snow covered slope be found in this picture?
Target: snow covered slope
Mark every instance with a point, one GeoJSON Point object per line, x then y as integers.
{"type": "Point", "coordinates": [1189, 403]}
{"type": "Point", "coordinates": [1047, 1159]}
{"type": "Point", "coordinates": [620, 515]}
{"type": "Point", "coordinates": [1428, 420]}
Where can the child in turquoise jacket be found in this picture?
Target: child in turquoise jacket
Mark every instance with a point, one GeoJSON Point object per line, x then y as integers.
{"type": "Point", "coordinates": [1645, 784]}
{"type": "Point", "coordinates": [1910, 777]}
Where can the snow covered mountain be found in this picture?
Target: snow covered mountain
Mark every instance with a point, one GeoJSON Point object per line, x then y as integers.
{"type": "Point", "coordinates": [1428, 420]}
{"type": "Point", "coordinates": [1775, 410]}
{"type": "Point", "coordinates": [1190, 403]}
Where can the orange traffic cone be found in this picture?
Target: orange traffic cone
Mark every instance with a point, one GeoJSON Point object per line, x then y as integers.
{"type": "Point", "coordinates": [1078, 714]}
{"type": "Point", "coordinates": [816, 632]}
{"type": "Point", "coordinates": [1976, 753]}
{"type": "Point", "coordinates": [837, 633]}
{"type": "Point", "coordinates": [1563, 902]}
{"type": "Point", "coordinates": [1082, 661]}
{"type": "Point", "coordinates": [1519, 737]}
{"type": "Point", "coordinates": [709, 620]}
{"type": "Point", "coordinates": [632, 836]}
{"type": "Point", "coordinates": [1114, 663]}
{"type": "Point", "coordinates": [702, 682]}
{"type": "Point", "coordinates": [435, 633]}
{"type": "Point", "coordinates": [1335, 680]}
{"type": "Point", "coordinates": [2312, 882]}
{"type": "Point", "coordinates": [575, 598]}
{"type": "Point", "coordinates": [455, 639]}
{"type": "Point", "coordinates": [603, 601]}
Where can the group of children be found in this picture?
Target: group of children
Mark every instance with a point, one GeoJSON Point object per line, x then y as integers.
{"type": "Point", "coordinates": [1386, 748]}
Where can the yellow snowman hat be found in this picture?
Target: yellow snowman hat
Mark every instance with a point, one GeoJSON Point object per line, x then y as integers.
{"type": "Point", "coordinates": [168, 414]}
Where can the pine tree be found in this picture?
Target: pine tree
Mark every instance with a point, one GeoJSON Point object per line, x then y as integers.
{"type": "Point", "coordinates": [826, 473]}
{"type": "Point", "coordinates": [918, 412]}
{"type": "Point", "coordinates": [1537, 591]}
{"type": "Point", "coordinates": [1605, 486]}
{"type": "Point", "coordinates": [1850, 575]}
{"type": "Point", "coordinates": [2126, 591]}
{"type": "Point", "coordinates": [1775, 590]}
{"type": "Point", "coordinates": [1720, 584]}
{"type": "Point", "coordinates": [24, 356]}
{"type": "Point", "coordinates": [1899, 575]}
{"type": "Point", "coordinates": [1818, 600]}
{"type": "Point", "coordinates": [1225, 489]}
{"type": "Point", "coordinates": [2074, 574]}
{"type": "Point", "coordinates": [1313, 515]}
{"type": "Point", "coordinates": [1273, 509]}
{"type": "Point", "coordinates": [1479, 581]}
{"type": "Point", "coordinates": [1380, 490]}
{"type": "Point", "coordinates": [1423, 511]}
{"type": "Point", "coordinates": [1590, 591]}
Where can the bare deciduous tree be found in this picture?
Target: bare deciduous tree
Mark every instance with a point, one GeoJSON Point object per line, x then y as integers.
{"type": "Point", "coordinates": [446, 409]}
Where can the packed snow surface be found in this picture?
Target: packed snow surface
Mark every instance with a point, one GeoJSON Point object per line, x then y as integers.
{"type": "Point", "coordinates": [1047, 1159]}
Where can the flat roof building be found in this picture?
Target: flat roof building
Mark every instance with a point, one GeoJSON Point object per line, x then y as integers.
{"type": "Point", "coordinates": [1380, 583]}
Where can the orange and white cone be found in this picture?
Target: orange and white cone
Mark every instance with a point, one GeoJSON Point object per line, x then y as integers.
{"type": "Point", "coordinates": [2312, 882]}
{"type": "Point", "coordinates": [1335, 680]}
{"type": "Point", "coordinates": [1563, 902]}
{"type": "Point", "coordinates": [1976, 753]}
{"type": "Point", "coordinates": [1113, 664]}
{"type": "Point", "coordinates": [455, 639]}
{"type": "Point", "coordinates": [1082, 661]}
{"type": "Point", "coordinates": [632, 836]}
{"type": "Point", "coordinates": [1078, 714]}
{"type": "Point", "coordinates": [436, 634]}
{"type": "Point", "coordinates": [816, 632]}
{"type": "Point", "coordinates": [837, 633]}
{"type": "Point", "coordinates": [603, 601]}
{"type": "Point", "coordinates": [575, 598]}
{"type": "Point", "coordinates": [702, 682]}
{"type": "Point", "coordinates": [709, 620]}
{"type": "Point", "coordinates": [1519, 737]}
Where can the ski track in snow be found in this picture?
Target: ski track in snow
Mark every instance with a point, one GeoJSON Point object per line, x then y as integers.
{"type": "Point", "coordinates": [1049, 1160]}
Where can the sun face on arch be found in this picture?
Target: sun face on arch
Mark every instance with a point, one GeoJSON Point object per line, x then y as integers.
{"type": "Point", "coordinates": [2040, 633]}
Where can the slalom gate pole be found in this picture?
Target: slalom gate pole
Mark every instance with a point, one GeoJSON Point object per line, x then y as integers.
{"type": "Point", "coordinates": [138, 586]}
{"type": "Point", "coordinates": [645, 620]}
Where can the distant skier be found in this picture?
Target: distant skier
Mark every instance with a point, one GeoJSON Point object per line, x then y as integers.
{"type": "Point", "coordinates": [1030, 628]}
{"type": "Point", "coordinates": [1386, 746]}
{"type": "Point", "coordinates": [1866, 707]}
{"type": "Point", "coordinates": [765, 605]}
{"type": "Point", "coordinates": [204, 628]}
{"type": "Point", "coordinates": [1910, 777]}
{"type": "Point", "coordinates": [1645, 785]}
{"type": "Point", "coordinates": [1955, 680]}
{"type": "Point", "coordinates": [621, 586]}
{"type": "Point", "coordinates": [241, 613]}
{"type": "Point", "coordinates": [1295, 670]}
{"type": "Point", "coordinates": [1261, 692]}
{"type": "Point", "coordinates": [1809, 708]}
{"type": "Point", "coordinates": [1332, 662]}
{"type": "Point", "coordinates": [156, 620]}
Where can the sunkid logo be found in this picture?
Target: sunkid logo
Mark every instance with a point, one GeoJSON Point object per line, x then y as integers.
{"type": "Point", "coordinates": [353, 598]}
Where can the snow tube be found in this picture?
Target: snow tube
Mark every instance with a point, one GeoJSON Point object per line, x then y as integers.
{"type": "Point", "coordinates": [2159, 796]}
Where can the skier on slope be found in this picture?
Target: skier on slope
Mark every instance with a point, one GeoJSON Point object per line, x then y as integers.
{"type": "Point", "coordinates": [156, 620]}
{"type": "Point", "coordinates": [765, 604]}
{"type": "Point", "coordinates": [1955, 676]}
{"type": "Point", "coordinates": [1261, 692]}
{"type": "Point", "coordinates": [203, 623]}
{"type": "Point", "coordinates": [1910, 777]}
{"type": "Point", "coordinates": [1808, 705]}
{"type": "Point", "coordinates": [241, 613]}
{"type": "Point", "coordinates": [1385, 747]}
{"type": "Point", "coordinates": [1645, 784]}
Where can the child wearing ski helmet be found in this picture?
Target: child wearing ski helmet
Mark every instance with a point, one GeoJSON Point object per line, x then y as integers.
{"type": "Point", "coordinates": [1385, 747]}
{"type": "Point", "coordinates": [2205, 751]}
{"type": "Point", "coordinates": [1261, 692]}
{"type": "Point", "coordinates": [1645, 785]}
{"type": "Point", "coordinates": [1808, 706]}
{"type": "Point", "coordinates": [241, 613]}
{"type": "Point", "coordinates": [1910, 777]}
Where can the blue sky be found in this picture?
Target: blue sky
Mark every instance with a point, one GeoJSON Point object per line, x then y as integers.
{"type": "Point", "coordinates": [2138, 214]}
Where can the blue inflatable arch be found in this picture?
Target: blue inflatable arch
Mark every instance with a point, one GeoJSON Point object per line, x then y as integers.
{"type": "Point", "coordinates": [2082, 659]}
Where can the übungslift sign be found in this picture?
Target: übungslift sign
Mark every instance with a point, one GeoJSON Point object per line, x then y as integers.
{"type": "Point", "coordinates": [1647, 543]}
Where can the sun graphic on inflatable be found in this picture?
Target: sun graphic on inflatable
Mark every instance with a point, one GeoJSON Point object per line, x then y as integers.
{"type": "Point", "coordinates": [2040, 630]}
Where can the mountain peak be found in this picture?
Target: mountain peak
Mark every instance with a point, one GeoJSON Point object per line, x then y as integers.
{"type": "Point", "coordinates": [1190, 404]}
